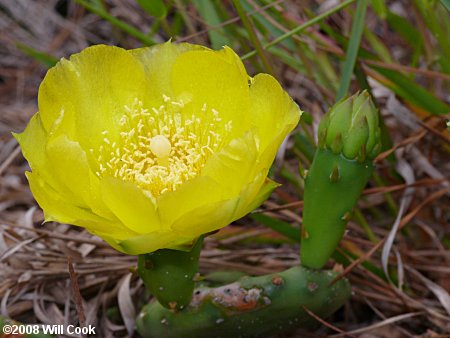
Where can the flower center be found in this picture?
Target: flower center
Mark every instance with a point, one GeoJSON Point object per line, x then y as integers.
{"type": "Point", "coordinates": [161, 148]}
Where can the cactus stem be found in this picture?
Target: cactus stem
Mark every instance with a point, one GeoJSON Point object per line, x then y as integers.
{"type": "Point", "coordinates": [250, 307]}
{"type": "Point", "coordinates": [170, 275]}
{"type": "Point", "coordinates": [325, 229]}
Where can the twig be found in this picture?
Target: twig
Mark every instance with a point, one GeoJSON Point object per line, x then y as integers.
{"type": "Point", "coordinates": [403, 222]}
{"type": "Point", "coordinates": [76, 293]}
{"type": "Point", "coordinates": [10, 158]}
{"type": "Point", "coordinates": [381, 324]}
{"type": "Point", "coordinates": [312, 314]}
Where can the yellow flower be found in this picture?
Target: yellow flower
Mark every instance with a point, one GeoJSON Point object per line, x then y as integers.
{"type": "Point", "coordinates": [152, 147]}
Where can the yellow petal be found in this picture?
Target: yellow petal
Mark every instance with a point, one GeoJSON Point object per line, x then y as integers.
{"type": "Point", "coordinates": [106, 229]}
{"type": "Point", "coordinates": [191, 195]}
{"type": "Point", "coordinates": [87, 94]}
{"type": "Point", "coordinates": [206, 218]}
{"type": "Point", "coordinates": [216, 78]}
{"type": "Point", "coordinates": [70, 166]}
{"type": "Point", "coordinates": [33, 141]}
{"type": "Point", "coordinates": [268, 154]}
{"type": "Point", "coordinates": [56, 207]}
{"type": "Point", "coordinates": [130, 205]}
{"type": "Point", "coordinates": [272, 110]}
{"type": "Point", "coordinates": [254, 194]}
{"type": "Point", "coordinates": [97, 204]}
{"type": "Point", "coordinates": [58, 96]}
{"type": "Point", "coordinates": [158, 61]}
{"type": "Point", "coordinates": [146, 243]}
{"type": "Point", "coordinates": [233, 166]}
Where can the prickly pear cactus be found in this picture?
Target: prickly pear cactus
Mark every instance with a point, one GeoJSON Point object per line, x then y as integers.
{"type": "Point", "coordinates": [349, 140]}
{"type": "Point", "coordinates": [250, 307]}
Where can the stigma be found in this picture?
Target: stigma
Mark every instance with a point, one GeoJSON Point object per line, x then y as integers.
{"type": "Point", "coordinates": [160, 146]}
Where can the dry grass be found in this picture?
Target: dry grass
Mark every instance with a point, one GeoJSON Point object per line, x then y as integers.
{"type": "Point", "coordinates": [36, 284]}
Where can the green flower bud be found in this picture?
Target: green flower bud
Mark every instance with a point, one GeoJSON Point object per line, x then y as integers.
{"type": "Point", "coordinates": [351, 127]}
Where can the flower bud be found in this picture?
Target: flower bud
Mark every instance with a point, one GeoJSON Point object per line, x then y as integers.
{"type": "Point", "coordinates": [351, 128]}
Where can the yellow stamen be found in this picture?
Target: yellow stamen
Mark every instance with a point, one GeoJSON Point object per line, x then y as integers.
{"type": "Point", "coordinates": [160, 148]}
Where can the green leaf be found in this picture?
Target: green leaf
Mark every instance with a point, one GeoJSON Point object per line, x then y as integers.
{"type": "Point", "coordinates": [288, 59]}
{"type": "Point", "coordinates": [353, 47]}
{"type": "Point", "coordinates": [96, 8]}
{"type": "Point", "coordinates": [446, 4]}
{"type": "Point", "coordinates": [377, 45]}
{"type": "Point", "coordinates": [301, 28]}
{"type": "Point", "coordinates": [302, 143]}
{"type": "Point", "coordinates": [253, 37]}
{"type": "Point", "coordinates": [155, 8]}
{"type": "Point", "coordinates": [437, 21]}
{"type": "Point", "coordinates": [44, 58]}
{"type": "Point", "coordinates": [379, 7]}
{"type": "Point", "coordinates": [279, 226]}
{"type": "Point", "coordinates": [412, 92]}
{"type": "Point", "coordinates": [266, 25]}
{"type": "Point", "coordinates": [403, 27]}
{"type": "Point", "coordinates": [208, 12]}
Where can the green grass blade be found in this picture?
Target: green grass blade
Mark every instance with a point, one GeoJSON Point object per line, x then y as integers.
{"type": "Point", "coordinates": [377, 45]}
{"type": "Point", "coordinates": [155, 8]}
{"type": "Point", "coordinates": [252, 35]}
{"type": "Point", "coordinates": [353, 47]}
{"type": "Point", "coordinates": [380, 8]}
{"type": "Point", "coordinates": [302, 143]}
{"type": "Point", "coordinates": [446, 4]}
{"type": "Point", "coordinates": [279, 226]}
{"type": "Point", "coordinates": [412, 92]}
{"type": "Point", "coordinates": [208, 12]}
{"type": "Point", "coordinates": [44, 58]}
{"type": "Point", "coordinates": [265, 25]}
{"type": "Point", "coordinates": [288, 59]}
{"type": "Point", "coordinates": [405, 29]}
{"type": "Point", "coordinates": [301, 28]}
{"type": "Point", "coordinates": [146, 40]}
{"type": "Point", "coordinates": [437, 21]}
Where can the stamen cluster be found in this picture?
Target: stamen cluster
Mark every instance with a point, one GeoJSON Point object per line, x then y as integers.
{"type": "Point", "coordinates": [160, 148]}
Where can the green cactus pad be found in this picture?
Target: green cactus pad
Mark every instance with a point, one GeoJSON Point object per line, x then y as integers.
{"type": "Point", "coordinates": [250, 307]}
{"type": "Point", "coordinates": [169, 274]}
{"type": "Point", "coordinates": [332, 187]}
